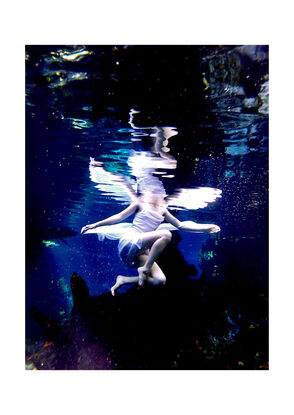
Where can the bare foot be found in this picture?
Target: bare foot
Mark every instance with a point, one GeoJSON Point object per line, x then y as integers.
{"type": "Point", "coordinates": [116, 285]}
{"type": "Point", "coordinates": [143, 274]}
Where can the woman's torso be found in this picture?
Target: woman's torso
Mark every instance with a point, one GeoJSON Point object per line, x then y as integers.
{"type": "Point", "coordinates": [147, 220]}
{"type": "Point", "coordinates": [149, 216]}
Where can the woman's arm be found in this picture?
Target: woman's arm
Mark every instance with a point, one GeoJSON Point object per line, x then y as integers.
{"type": "Point", "coordinates": [113, 219]}
{"type": "Point", "coordinates": [190, 226]}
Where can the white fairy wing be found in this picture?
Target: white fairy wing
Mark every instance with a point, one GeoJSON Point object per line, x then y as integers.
{"type": "Point", "coordinates": [111, 184]}
{"type": "Point", "coordinates": [196, 198]}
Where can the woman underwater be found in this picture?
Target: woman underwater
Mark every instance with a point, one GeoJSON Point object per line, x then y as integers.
{"type": "Point", "coordinates": [141, 242]}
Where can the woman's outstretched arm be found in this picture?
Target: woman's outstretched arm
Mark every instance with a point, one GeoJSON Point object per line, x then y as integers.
{"type": "Point", "coordinates": [190, 226]}
{"type": "Point", "coordinates": [113, 219]}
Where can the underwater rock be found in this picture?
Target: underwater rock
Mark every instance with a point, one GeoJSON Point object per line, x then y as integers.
{"type": "Point", "coordinates": [80, 292]}
{"type": "Point", "coordinates": [257, 53]}
{"type": "Point", "coordinates": [185, 324]}
{"type": "Point", "coordinates": [264, 97]}
{"type": "Point", "coordinates": [49, 326]}
{"type": "Point", "coordinates": [173, 263]}
{"type": "Point", "coordinates": [177, 326]}
{"type": "Point", "coordinates": [234, 90]}
{"type": "Point", "coordinates": [143, 328]}
{"type": "Point", "coordinates": [106, 88]}
{"type": "Point", "coordinates": [251, 102]}
{"type": "Point", "coordinates": [73, 345]}
{"type": "Point", "coordinates": [238, 72]}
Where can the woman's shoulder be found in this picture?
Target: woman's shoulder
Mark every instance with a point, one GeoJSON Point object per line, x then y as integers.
{"type": "Point", "coordinates": [136, 204]}
{"type": "Point", "coordinates": [165, 211]}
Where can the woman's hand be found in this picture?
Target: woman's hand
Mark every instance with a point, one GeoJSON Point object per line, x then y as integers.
{"type": "Point", "coordinates": [87, 227]}
{"type": "Point", "coordinates": [214, 229]}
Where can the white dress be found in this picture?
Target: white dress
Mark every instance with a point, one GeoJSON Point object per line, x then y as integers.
{"type": "Point", "coordinates": [130, 234]}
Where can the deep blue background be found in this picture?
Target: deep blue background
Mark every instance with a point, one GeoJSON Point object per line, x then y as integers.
{"type": "Point", "coordinates": [69, 120]}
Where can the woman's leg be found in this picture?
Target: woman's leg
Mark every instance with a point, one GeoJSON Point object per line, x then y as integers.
{"type": "Point", "coordinates": [122, 280]}
{"type": "Point", "coordinates": [157, 242]}
{"type": "Point", "coordinates": [155, 277]}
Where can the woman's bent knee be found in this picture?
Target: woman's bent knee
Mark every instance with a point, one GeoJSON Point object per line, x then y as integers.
{"type": "Point", "coordinates": [163, 280]}
{"type": "Point", "coordinates": [160, 280]}
{"type": "Point", "coordinates": [167, 236]}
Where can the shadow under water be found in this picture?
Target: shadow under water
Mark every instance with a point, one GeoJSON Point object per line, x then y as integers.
{"type": "Point", "coordinates": [177, 326]}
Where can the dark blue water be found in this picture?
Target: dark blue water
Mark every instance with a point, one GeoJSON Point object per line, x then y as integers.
{"type": "Point", "coordinates": [77, 107]}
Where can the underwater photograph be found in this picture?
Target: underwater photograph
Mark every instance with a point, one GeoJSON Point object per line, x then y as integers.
{"type": "Point", "coordinates": [147, 207]}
